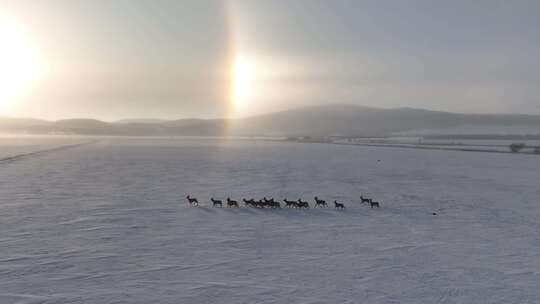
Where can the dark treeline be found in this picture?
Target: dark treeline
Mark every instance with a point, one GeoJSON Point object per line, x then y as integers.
{"type": "Point", "coordinates": [484, 136]}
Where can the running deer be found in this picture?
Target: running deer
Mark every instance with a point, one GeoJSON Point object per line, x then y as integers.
{"type": "Point", "coordinates": [320, 203]}
{"type": "Point", "coordinates": [192, 201]}
{"type": "Point", "coordinates": [374, 204]}
{"type": "Point", "coordinates": [272, 203]}
{"type": "Point", "coordinates": [231, 203]}
{"type": "Point", "coordinates": [275, 204]}
{"type": "Point", "coordinates": [290, 204]}
{"type": "Point", "coordinates": [216, 203]}
{"type": "Point", "coordinates": [261, 204]}
{"type": "Point", "coordinates": [249, 202]}
{"type": "Point", "coordinates": [364, 199]}
{"type": "Point", "coordinates": [302, 204]}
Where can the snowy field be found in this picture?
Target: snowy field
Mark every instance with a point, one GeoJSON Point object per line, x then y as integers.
{"type": "Point", "coordinates": [17, 146]}
{"type": "Point", "coordinates": [106, 222]}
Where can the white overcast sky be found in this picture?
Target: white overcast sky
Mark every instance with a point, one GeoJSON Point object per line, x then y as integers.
{"type": "Point", "coordinates": [114, 59]}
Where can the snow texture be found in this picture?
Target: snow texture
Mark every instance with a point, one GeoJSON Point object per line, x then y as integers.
{"type": "Point", "coordinates": [106, 221]}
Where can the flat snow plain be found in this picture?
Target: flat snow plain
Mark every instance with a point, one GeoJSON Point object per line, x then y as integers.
{"type": "Point", "coordinates": [107, 222]}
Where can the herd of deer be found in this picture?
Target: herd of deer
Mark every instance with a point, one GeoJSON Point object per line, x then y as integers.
{"type": "Point", "coordinates": [271, 203]}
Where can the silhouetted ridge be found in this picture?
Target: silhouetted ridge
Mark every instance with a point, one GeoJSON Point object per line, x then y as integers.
{"type": "Point", "coordinates": [322, 120]}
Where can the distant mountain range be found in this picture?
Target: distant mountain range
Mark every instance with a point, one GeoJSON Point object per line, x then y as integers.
{"type": "Point", "coordinates": [326, 120]}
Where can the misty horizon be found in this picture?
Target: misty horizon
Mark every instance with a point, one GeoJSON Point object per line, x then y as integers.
{"type": "Point", "coordinates": [171, 118]}
{"type": "Point", "coordinates": [319, 121]}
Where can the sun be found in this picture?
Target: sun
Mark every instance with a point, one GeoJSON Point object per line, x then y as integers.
{"type": "Point", "coordinates": [243, 76]}
{"type": "Point", "coordinates": [18, 63]}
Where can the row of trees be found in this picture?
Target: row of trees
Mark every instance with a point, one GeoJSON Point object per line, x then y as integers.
{"type": "Point", "coordinates": [517, 147]}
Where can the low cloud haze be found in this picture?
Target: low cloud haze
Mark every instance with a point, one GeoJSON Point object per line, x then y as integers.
{"type": "Point", "coordinates": [175, 59]}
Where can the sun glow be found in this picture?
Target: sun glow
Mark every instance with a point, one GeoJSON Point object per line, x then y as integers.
{"type": "Point", "coordinates": [243, 75]}
{"type": "Point", "coordinates": [18, 63]}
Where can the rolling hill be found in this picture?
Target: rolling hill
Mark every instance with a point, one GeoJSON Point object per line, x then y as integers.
{"type": "Point", "coordinates": [325, 120]}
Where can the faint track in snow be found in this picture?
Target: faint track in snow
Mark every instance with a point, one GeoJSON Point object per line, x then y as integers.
{"type": "Point", "coordinates": [13, 158]}
{"type": "Point", "coordinates": [24, 298]}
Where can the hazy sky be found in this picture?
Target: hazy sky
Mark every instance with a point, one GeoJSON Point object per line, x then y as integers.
{"type": "Point", "coordinates": [113, 59]}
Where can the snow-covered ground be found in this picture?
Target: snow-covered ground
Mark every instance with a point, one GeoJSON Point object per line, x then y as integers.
{"type": "Point", "coordinates": [18, 146]}
{"type": "Point", "coordinates": [107, 222]}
